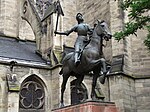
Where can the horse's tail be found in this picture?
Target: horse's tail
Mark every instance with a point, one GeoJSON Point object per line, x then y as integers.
{"type": "Point", "coordinates": [65, 60]}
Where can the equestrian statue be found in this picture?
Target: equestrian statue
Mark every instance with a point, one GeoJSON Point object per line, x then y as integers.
{"type": "Point", "coordinates": [88, 55]}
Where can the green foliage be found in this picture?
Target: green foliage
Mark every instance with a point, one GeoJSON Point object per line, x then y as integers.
{"type": "Point", "coordinates": [138, 19]}
{"type": "Point", "coordinates": [147, 40]}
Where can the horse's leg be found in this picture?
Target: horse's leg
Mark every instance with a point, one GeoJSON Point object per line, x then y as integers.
{"type": "Point", "coordinates": [63, 87]}
{"type": "Point", "coordinates": [79, 80]}
{"type": "Point", "coordinates": [102, 78]}
{"type": "Point", "coordinates": [78, 86]}
{"type": "Point", "coordinates": [103, 61]}
{"type": "Point", "coordinates": [94, 82]}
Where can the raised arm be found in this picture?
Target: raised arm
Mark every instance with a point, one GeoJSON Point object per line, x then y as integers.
{"type": "Point", "coordinates": [66, 32]}
{"type": "Point", "coordinates": [61, 33]}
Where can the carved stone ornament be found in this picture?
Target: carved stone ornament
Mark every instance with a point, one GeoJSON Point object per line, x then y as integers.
{"type": "Point", "coordinates": [25, 5]}
{"type": "Point", "coordinates": [32, 96]}
{"type": "Point", "coordinates": [13, 83]}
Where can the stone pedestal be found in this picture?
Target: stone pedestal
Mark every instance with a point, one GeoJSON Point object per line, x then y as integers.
{"type": "Point", "coordinates": [89, 106]}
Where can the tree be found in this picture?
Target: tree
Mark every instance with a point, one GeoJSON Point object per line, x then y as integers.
{"type": "Point", "coordinates": [139, 19]}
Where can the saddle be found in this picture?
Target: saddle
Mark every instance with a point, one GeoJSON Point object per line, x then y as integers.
{"type": "Point", "coordinates": [70, 54]}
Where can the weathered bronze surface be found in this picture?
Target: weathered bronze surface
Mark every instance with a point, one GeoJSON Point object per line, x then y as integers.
{"type": "Point", "coordinates": [88, 56]}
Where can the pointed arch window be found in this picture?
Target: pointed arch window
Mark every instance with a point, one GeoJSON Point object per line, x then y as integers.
{"type": "Point", "coordinates": [78, 95]}
{"type": "Point", "coordinates": [32, 97]}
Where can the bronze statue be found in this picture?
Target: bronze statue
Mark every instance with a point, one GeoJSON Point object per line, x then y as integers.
{"type": "Point", "coordinates": [82, 40]}
{"type": "Point", "coordinates": [92, 58]}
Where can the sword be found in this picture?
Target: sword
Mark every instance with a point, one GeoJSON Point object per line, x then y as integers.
{"type": "Point", "coordinates": [59, 12]}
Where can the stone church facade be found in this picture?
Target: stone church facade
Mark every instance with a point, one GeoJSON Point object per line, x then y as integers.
{"type": "Point", "coordinates": [30, 55]}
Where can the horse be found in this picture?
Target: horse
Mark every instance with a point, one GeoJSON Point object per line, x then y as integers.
{"type": "Point", "coordinates": [92, 59]}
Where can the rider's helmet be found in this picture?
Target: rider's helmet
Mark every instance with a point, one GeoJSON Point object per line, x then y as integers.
{"type": "Point", "coordinates": [79, 17]}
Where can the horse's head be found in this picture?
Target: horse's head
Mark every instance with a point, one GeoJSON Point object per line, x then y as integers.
{"type": "Point", "coordinates": [103, 30]}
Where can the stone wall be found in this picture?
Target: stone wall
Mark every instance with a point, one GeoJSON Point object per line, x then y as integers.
{"type": "Point", "coordinates": [3, 89]}
{"type": "Point", "coordinates": [93, 10]}
{"type": "Point", "coordinates": [50, 80]}
{"type": "Point", "coordinates": [116, 23]}
{"type": "Point", "coordinates": [122, 92]}
{"type": "Point", "coordinates": [9, 100]}
{"type": "Point", "coordinates": [137, 56]}
{"type": "Point", "coordinates": [9, 18]}
{"type": "Point", "coordinates": [143, 94]}
{"type": "Point", "coordinates": [56, 80]}
{"type": "Point", "coordinates": [130, 94]}
{"type": "Point", "coordinates": [140, 55]}
{"type": "Point", "coordinates": [25, 31]}
{"type": "Point", "coordinates": [11, 24]}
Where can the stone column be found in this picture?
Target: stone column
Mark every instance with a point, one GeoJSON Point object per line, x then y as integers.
{"type": "Point", "coordinates": [127, 49]}
{"type": "Point", "coordinates": [116, 23]}
{"type": "Point", "coordinates": [13, 102]}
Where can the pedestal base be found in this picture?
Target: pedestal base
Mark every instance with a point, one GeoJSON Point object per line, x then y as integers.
{"type": "Point", "coordinates": [89, 106]}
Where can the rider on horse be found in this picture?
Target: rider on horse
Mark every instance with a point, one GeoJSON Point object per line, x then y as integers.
{"type": "Point", "coordinates": [82, 40]}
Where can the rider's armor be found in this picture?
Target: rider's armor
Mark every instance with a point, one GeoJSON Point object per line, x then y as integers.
{"type": "Point", "coordinates": [82, 40]}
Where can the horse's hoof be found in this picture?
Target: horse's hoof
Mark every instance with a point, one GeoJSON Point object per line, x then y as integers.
{"type": "Point", "coordinates": [61, 105]}
{"type": "Point", "coordinates": [102, 79]}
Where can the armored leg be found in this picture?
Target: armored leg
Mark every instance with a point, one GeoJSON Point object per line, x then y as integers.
{"type": "Point", "coordinates": [77, 53]}
{"type": "Point", "coordinates": [77, 57]}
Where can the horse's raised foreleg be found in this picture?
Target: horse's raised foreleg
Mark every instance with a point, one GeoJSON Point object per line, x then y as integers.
{"type": "Point", "coordinates": [102, 78]}
{"type": "Point", "coordinates": [103, 61]}
{"type": "Point", "coordinates": [63, 87]}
